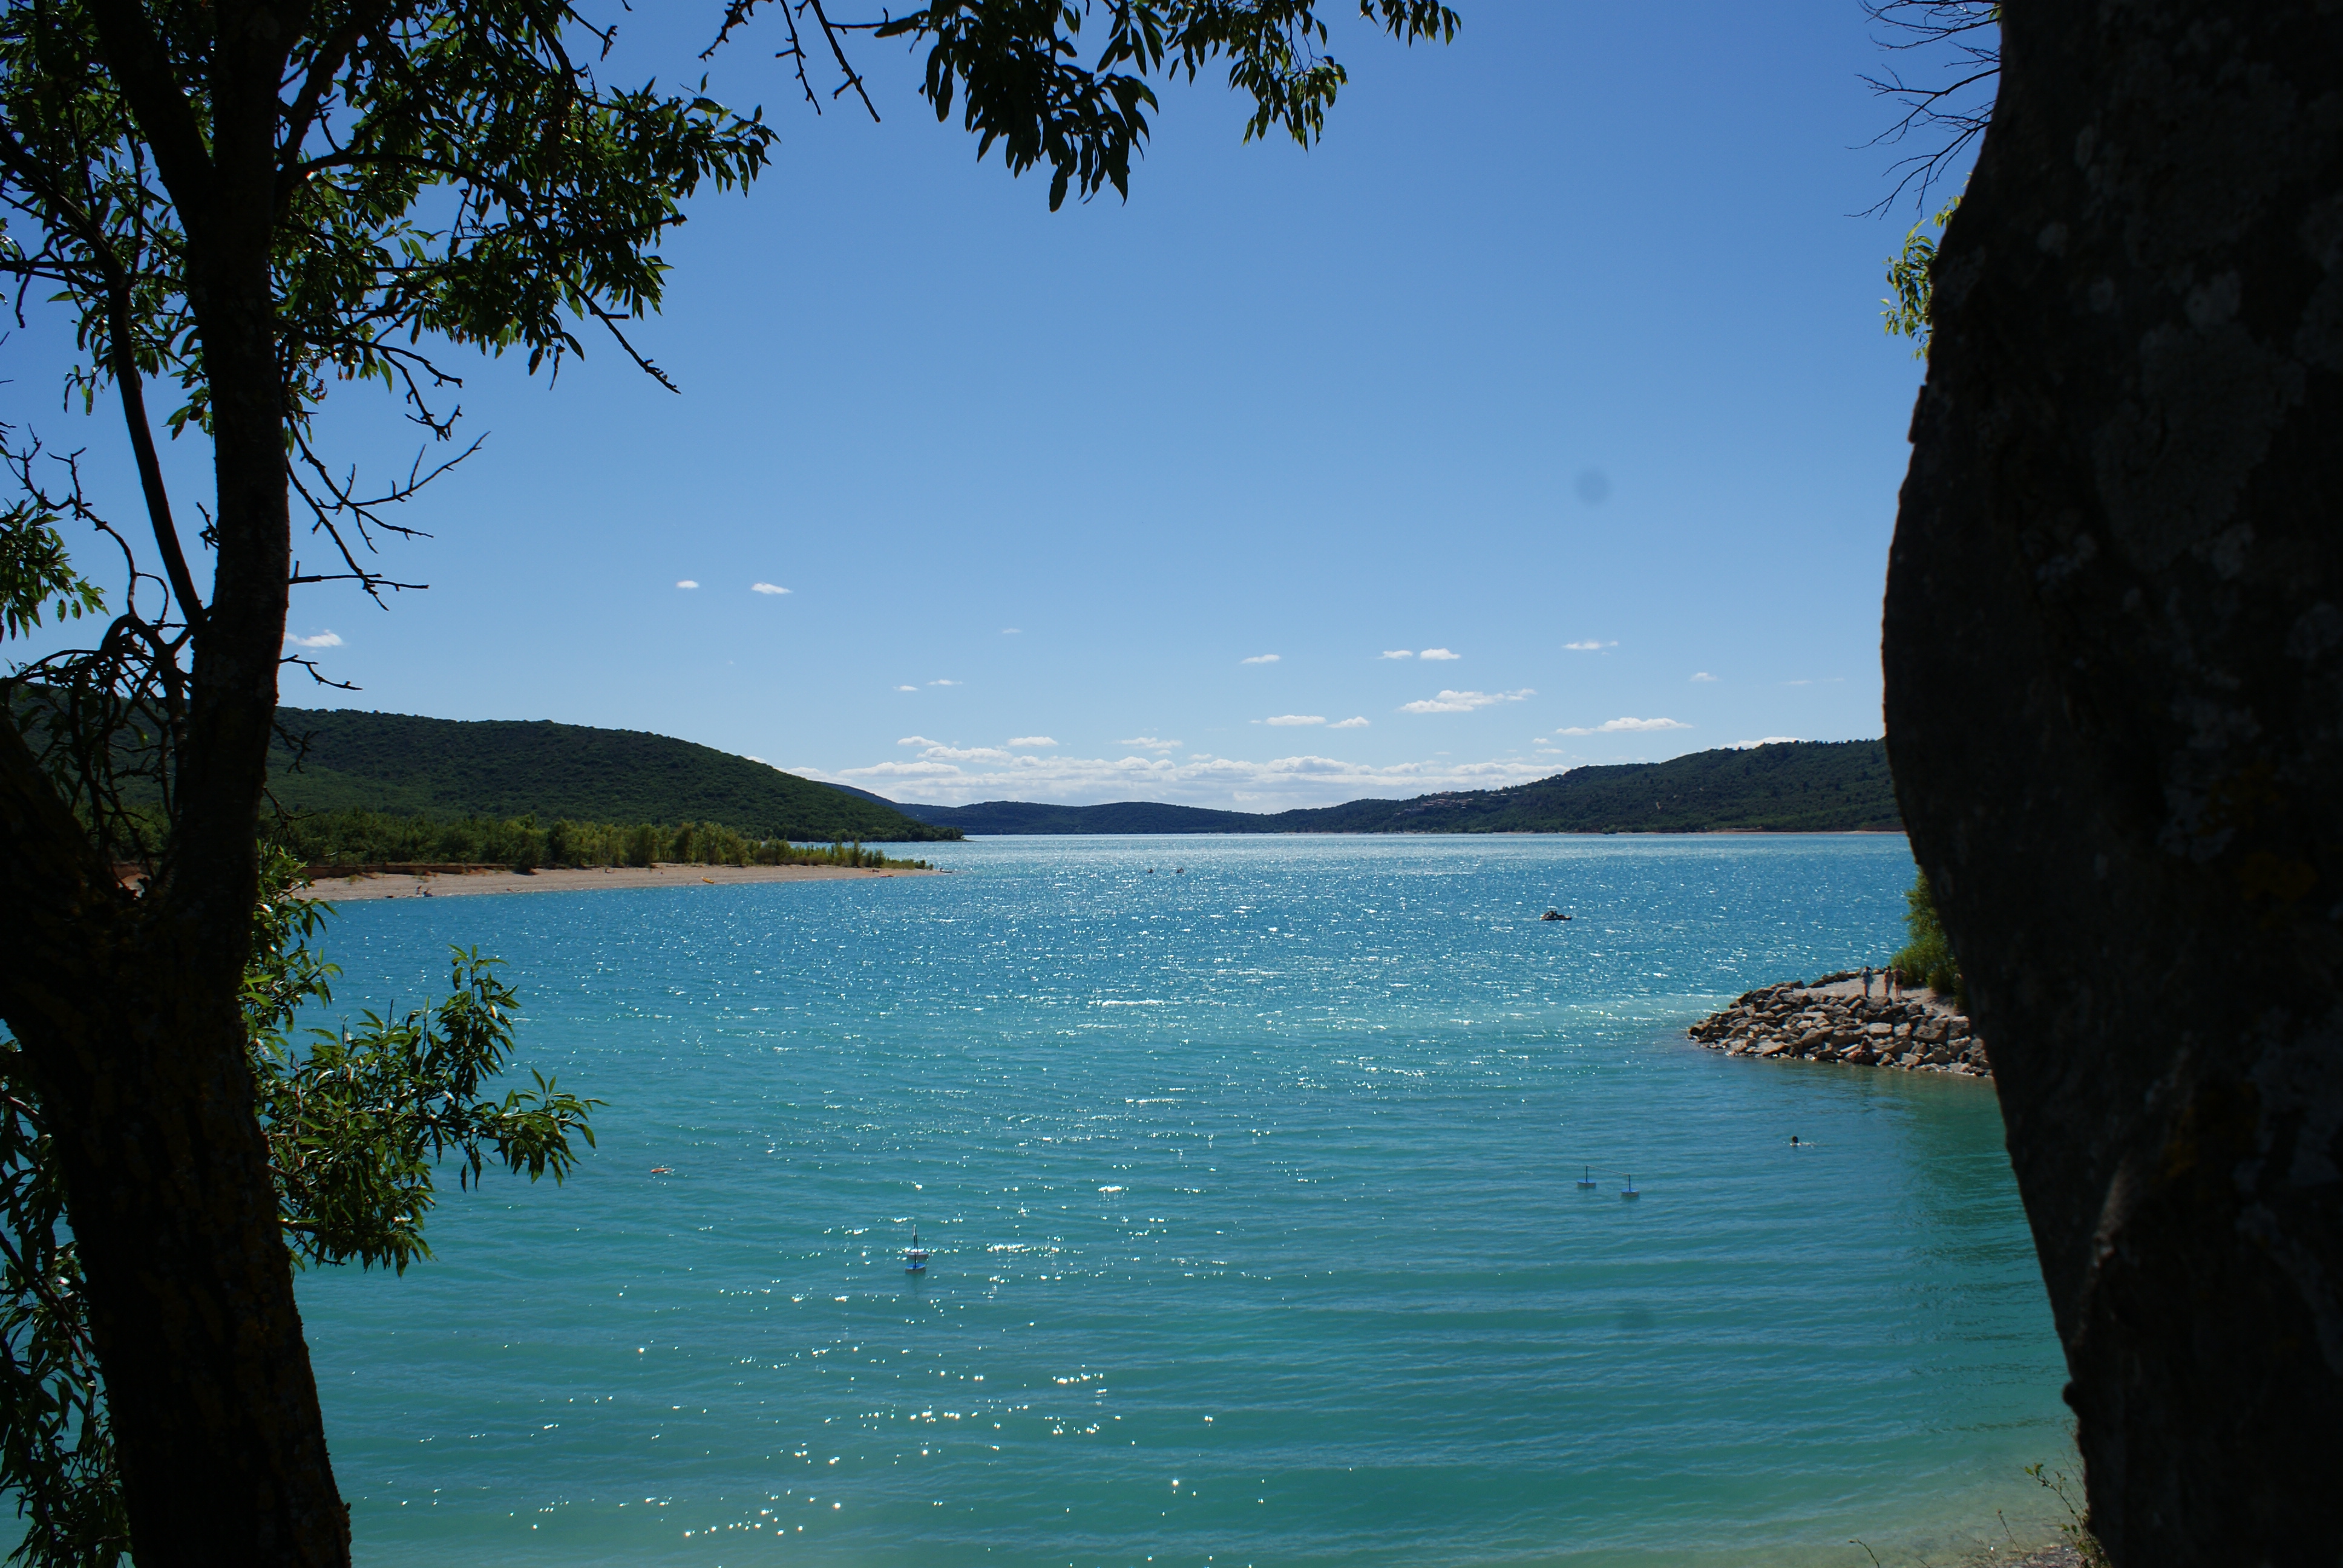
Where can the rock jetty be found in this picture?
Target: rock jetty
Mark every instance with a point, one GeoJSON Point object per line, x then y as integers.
{"type": "Point", "coordinates": [1831, 1020]}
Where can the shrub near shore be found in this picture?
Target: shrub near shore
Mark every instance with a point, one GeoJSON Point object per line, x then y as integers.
{"type": "Point", "coordinates": [1926, 957]}
{"type": "Point", "coordinates": [361, 838]}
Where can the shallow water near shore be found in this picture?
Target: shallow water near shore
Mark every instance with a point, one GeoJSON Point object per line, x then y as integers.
{"type": "Point", "coordinates": [1252, 1195]}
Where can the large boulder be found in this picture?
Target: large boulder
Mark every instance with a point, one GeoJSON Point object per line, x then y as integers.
{"type": "Point", "coordinates": [2114, 658]}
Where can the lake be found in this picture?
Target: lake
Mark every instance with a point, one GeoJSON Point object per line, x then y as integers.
{"type": "Point", "coordinates": [1252, 1185]}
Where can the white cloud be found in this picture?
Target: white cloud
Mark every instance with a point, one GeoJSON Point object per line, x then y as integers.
{"type": "Point", "coordinates": [1634, 726]}
{"type": "Point", "coordinates": [323, 639]}
{"type": "Point", "coordinates": [1465, 701]}
{"type": "Point", "coordinates": [1397, 653]}
{"type": "Point", "coordinates": [918, 740]}
{"type": "Point", "coordinates": [767, 588]}
{"type": "Point", "coordinates": [1150, 743]}
{"type": "Point", "coordinates": [1797, 683]}
{"type": "Point", "coordinates": [1032, 740]}
{"type": "Point", "coordinates": [1013, 630]}
{"type": "Point", "coordinates": [1287, 719]}
{"type": "Point", "coordinates": [907, 688]}
{"type": "Point", "coordinates": [1703, 675]}
{"type": "Point", "coordinates": [944, 683]}
{"type": "Point", "coordinates": [1769, 740]}
{"type": "Point", "coordinates": [1260, 659]}
{"type": "Point", "coordinates": [687, 582]}
{"type": "Point", "coordinates": [953, 776]}
{"type": "Point", "coordinates": [1358, 723]}
{"type": "Point", "coordinates": [1588, 647]}
{"type": "Point", "coordinates": [1438, 653]}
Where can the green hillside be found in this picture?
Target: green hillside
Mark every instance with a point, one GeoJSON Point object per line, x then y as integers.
{"type": "Point", "coordinates": [1802, 786]}
{"type": "Point", "coordinates": [1792, 787]}
{"type": "Point", "coordinates": [445, 768]}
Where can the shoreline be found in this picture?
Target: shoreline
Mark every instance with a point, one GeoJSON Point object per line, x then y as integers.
{"type": "Point", "coordinates": [1832, 1021]}
{"type": "Point", "coordinates": [363, 884]}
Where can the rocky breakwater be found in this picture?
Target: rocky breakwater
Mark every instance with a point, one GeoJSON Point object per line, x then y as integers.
{"type": "Point", "coordinates": [1832, 1021]}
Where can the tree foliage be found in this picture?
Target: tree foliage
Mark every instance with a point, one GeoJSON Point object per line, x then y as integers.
{"type": "Point", "coordinates": [1926, 957]}
{"type": "Point", "coordinates": [36, 571]}
{"type": "Point", "coordinates": [1910, 282]}
{"type": "Point", "coordinates": [1022, 79]}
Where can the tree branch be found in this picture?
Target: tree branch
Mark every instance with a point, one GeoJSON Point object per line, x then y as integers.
{"type": "Point", "coordinates": [136, 58]}
{"type": "Point", "coordinates": [122, 358]}
{"type": "Point", "coordinates": [331, 57]}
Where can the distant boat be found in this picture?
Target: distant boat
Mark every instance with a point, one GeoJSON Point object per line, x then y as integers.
{"type": "Point", "coordinates": [1629, 1190]}
{"type": "Point", "coordinates": [1587, 1176]}
{"type": "Point", "coordinates": [1553, 915]}
{"type": "Point", "coordinates": [915, 1257]}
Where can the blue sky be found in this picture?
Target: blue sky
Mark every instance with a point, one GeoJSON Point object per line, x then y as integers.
{"type": "Point", "coordinates": [1540, 415]}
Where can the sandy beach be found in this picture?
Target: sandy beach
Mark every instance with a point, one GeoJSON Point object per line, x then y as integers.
{"type": "Point", "coordinates": [442, 885]}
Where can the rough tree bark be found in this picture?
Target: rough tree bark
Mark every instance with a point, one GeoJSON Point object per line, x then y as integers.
{"type": "Point", "coordinates": [2114, 656]}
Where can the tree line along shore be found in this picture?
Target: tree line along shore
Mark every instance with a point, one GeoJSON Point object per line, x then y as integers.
{"type": "Point", "coordinates": [336, 842]}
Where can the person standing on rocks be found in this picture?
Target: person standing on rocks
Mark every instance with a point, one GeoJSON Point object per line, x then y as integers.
{"type": "Point", "coordinates": [1867, 982]}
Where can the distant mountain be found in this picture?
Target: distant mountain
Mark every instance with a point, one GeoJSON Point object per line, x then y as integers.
{"type": "Point", "coordinates": [1122, 817]}
{"type": "Point", "coordinates": [1802, 786]}
{"type": "Point", "coordinates": [444, 767]}
{"type": "Point", "coordinates": [875, 800]}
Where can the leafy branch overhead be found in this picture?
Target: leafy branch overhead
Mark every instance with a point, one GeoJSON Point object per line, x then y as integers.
{"type": "Point", "coordinates": [1024, 78]}
{"type": "Point", "coordinates": [358, 1121]}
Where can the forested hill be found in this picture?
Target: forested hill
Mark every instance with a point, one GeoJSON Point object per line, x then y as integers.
{"type": "Point", "coordinates": [1802, 786]}
{"type": "Point", "coordinates": [444, 767]}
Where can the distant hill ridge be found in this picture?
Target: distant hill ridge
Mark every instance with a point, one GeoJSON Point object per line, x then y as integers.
{"type": "Point", "coordinates": [404, 765]}
{"type": "Point", "coordinates": [1789, 787]}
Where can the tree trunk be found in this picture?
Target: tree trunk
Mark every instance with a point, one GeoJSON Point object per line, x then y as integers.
{"type": "Point", "coordinates": [129, 1009]}
{"type": "Point", "coordinates": [139, 1057]}
{"type": "Point", "coordinates": [2114, 657]}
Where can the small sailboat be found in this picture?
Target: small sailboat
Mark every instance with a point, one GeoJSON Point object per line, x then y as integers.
{"type": "Point", "coordinates": [915, 1257]}
{"type": "Point", "coordinates": [1629, 1190]}
{"type": "Point", "coordinates": [1587, 1176]}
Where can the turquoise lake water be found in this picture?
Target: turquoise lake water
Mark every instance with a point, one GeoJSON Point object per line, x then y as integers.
{"type": "Point", "coordinates": [1252, 1195]}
